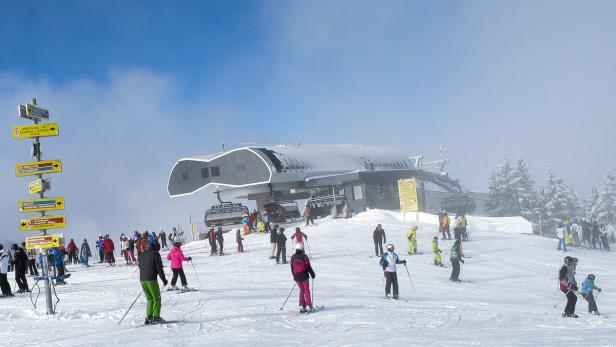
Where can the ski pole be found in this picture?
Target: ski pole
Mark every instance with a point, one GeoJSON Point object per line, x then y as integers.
{"type": "Point", "coordinates": [562, 299]}
{"type": "Point", "coordinates": [193, 266]}
{"type": "Point", "coordinates": [408, 273]}
{"type": "Point", "coordinates": [288, 296]}
{"type": "Point", "coordinates": [134, 272]}
{"type": "Point", "coordinates": [313, 291]}
{"type": "Point", "coordinates": [131, 306]}
{"type": "Point", "coordinates": [246, 244]}
{"type": "Point", "coordinates": [307, 245]}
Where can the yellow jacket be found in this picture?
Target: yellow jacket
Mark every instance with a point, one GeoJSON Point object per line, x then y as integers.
{"type": "Point", "coordinates": [412, 234]}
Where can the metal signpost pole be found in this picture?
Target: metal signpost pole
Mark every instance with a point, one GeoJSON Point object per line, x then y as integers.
{"type": "Point", "coordinates": [36, 151]}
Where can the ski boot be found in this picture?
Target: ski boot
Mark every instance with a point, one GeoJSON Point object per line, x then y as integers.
{"type": "Point", "coordinates": [148, 320]}
{"type": "Point", "coordinates": [172, 288]}
{"type": "Point", "coordinates": [395, 297]}
{"type": "Point", "coordinates": [302, 309]}
{"type": "Point", "coordinates": [310, 308]}
{"type": "Point", "coordinates": [157, 320]}
{"type": "Point", "coordinates": [185, 289]}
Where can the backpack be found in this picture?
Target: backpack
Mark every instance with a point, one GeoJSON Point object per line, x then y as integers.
{"type": "Point", "coordinates": [298, 265]}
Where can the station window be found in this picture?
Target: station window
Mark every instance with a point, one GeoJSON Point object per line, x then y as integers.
{"type": "Point", "coordinates": [357, 194]}
{"type": "Point", "coordinates": [185, 176]}
{"type": "Point", "coordinates": [205, 173]}
{"type": "Point", "coordinates": [215, 171]}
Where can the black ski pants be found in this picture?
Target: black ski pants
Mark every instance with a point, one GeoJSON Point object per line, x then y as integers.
{"type": "Point", "coordinates": [281, 251]}
{"type": "Point", "coordinates": [571, 301]}
{"type": "Point", "coordinates": [101, 255]}
{"type": "Point", "coordinates": [455, 269]}
{"type": "Point", "coordinates": [4, 285]}
{"type": "Point", "coordinates": [177, 272]}
{"type": "Point", "coordinates": [309, 220]}
{"type": "Point", "coordinates": [378, 248]}
{"type": "Point", "coordinates": [220, 243]}
{"type": "Point", "coordinates": [32, 267]}
{"type": "Point", "coordinates": [213, 248]}
{"type": "Point", "coordinates": [592, 305]}
{"type": "Point", "coordinates": [391, 278]}
{"type": "Point", "coordinates": [20, 278]}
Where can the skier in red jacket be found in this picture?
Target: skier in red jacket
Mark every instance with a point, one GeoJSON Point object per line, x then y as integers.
{"type": "Point", "coordinates": [108, 248]}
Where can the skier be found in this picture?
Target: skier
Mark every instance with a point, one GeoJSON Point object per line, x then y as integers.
{"type": "Point", "coordinates": [109, 248]}
{"type": "Point", "coordinates": [57, 257]}
{"type": "Point", "coordinates": [85, 253]}
{"type": "Point", "coordinates": [604, 238]}
{"type": "Point", "coordinates": [4, 269]}
{"type": "Point", "coordinates": [266, 221]}
{"type": "Point", "coordinates": [595, 234]}
{"type": "Point", "coordinates": [378, 236]}
{"type": "Point", "coordinates": [177, 257]}
{"type": "Point", "coordinates": [163, 240]}
{"type": "Point", "coordinates": [211, 235]}
{"type": "Point", "coordinates": [437, 252]}
{"type": "Point", "coordinates": [587, 287]}
{"type": "Point", "coordinates": [138, 244]}
{"type": "Point", "coordinates": [445, 224]}
{"type": "Point", "coordinates": [101, 249]}
{"type": "Point", "coordinates": [72, 252]}
{"type": "Point", "coordinates": [281, 245]}
{"type": "Point", "coordinates": [462, 223]}
{"type": "Point", "coordinates": [411, 236]}
{"type": "Point", "coordinates": [568, 285]}
{"type": "Point", "coordinates": [245, 226]}
{"type": "Point", "coordinates": [123, 247]}
{"type": "Point", "coordinates": [575, 233]}
{"type": "Point", "coordinates": [151, 266]}
{"type": "Point", "coordinates": [388, 262]}
{"type": "Point", "coordinates": [561, 231]}
{"type": "Point", "coordinates": [586, 233]}
{"type": "Point", "coordinates": [220, 238]}
{"type": "Point", "coordinates": [299, 236]}
{"type": "Point", "coordinates": [131, 250]}
{"type": "Point", "coordinates": [20, 261]}
{"type": "Point", "coordinates": [300, 268]}
{"type": "Point", "coordinates": [273, 236]}
{"type": "Point", "coordinates": [31, 253]}
{"type": "Point", "coordinates": [308, 215]}
{"type": "Point", "coordinates": [455, 256]}
{"type": "Point", "coordinates": [239, 239]}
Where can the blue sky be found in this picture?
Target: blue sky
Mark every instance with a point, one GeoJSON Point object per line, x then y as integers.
{"type": "Point", "coordinates": [137, 85]}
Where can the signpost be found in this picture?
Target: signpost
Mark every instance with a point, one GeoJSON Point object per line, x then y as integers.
{"type": "Point", "coordinates": [37, 130]}
{"type": "Point", "coordinates": [407, 191]}
{"type": "Point", "coordinates": [38, 205]}
{"type": "Point", "coordinates": [47, 241]}
{"type": "Point", "coordinates": [37, 168]}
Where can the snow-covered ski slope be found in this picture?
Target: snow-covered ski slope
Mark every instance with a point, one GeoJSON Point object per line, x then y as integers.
{"type": "Point", "coordinates": [508, 298]}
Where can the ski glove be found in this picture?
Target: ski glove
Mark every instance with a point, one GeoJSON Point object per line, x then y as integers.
{"type": "Point", "coordinates": [403, 262]}
{"type": "Point", "coordinates": [314, 275]}
{"type": "Point", "coordinates": [462, 261]}
{"type": "Point", "coordinates": [189, 258]}
{"type": "Point", "coordinates": [599, 290]}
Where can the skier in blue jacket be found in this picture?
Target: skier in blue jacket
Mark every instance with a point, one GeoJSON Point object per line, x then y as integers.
{"type": "Point", "coordinates": [587, 287]}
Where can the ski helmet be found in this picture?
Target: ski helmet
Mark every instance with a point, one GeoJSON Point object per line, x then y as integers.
{"type": "Point", "coordinates": [591, 277]}
{"type": "Point", "coordinates": [568, 259]}
{"type": "Point", "coordinates": [435, 238]}
{"type": "Point", "coordinates": [390, 247]}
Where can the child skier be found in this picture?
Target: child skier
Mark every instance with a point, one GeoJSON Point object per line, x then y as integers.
{"type": "Point", "coordinates": [300, 268]}
{"type": "Point", "coordinates": [151, 266]}
{"type": "Point", "coordinates": [177, 257]}
{"type": "Point", "coordinates": [568, 285]}
{"type": "Point", "coordinates": [412, 237]}
{"type": "Point", "coordinates": [587, 287]}
{"type": "Point", "coordinates": [388, 262]}
{"type": "Point", "coordinates": [437, 252]}
{"type": "Point", "coordinates": [455, 255]}
{"type": "Point", "coordinates": [239, 239]}
{"type": "Point", "coordinates": [299, 236]}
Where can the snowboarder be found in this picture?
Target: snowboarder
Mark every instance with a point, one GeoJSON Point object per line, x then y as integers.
{"type": "Point", "coordinates": [151, 266]}
{"type": "Point", "coordinates": [177, 257]}
{"type": "Point", "coordinates": [4, 269]}
{"type": "Point", "coordinates": [308, 215]}
{"type": "Point", "coordinates": [455, 256]}
{"type": "Point", "coordinates": [411, 236]}
{"type": "Point", "coordinates": [299, 236]}
{"type": "Point", "coordinates": [20, 261]}
{"type": "Point", "coordinates": [163, 240]}
{"type": "Point", "coordinates": [281, 246]}
{"type": "Point", "coordinates": [388, 263]}
{"type": "Point", "coordinates": [211, 235]}
{"type": "Point", "coordinates": [220, 238]}
{"type": "Point", "coordinates": [301, 269]}
{"type": "Point", "coordinates": [378, 236]}
{"type": "Point", "coordinates": [437, 252]}
{"type": "Point", "coordinates": [239, 239]}
{"type": "Point", "coordinates": [568, 285]}
{"type": "Point", "coordinates": [273, 236]}
{"type": "Point", "coordinates": [587, 287]}
{"type": "Point", "coordinates": [85, 254]}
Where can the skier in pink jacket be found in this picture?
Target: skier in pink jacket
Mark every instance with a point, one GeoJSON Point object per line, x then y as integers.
{"type": "Point", "coordinates": [177, 257]}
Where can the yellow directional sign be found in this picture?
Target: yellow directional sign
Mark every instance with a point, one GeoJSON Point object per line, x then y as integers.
{"type": "Point", "coordinates": [38, 205]}
{"type": "Point", "coordinates": [35, 186]}
{"type": "Point", "coordinates": [38, 168]}
{"type": "Point", "coordinates": [46, 241]}
{"type": "Point", "coordinates": [40, 223]}
{"type": "Point", "coordinates": [36, 130]}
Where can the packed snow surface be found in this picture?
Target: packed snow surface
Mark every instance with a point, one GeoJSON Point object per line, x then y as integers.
{"type": "Point", "coordinates": [507, 297]}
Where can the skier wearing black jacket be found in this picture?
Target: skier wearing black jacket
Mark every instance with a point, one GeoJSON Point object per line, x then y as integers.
{"type": "Point", "coordinates": [273, 235]}
{"type": "Point", "coordinates": [220, 238]}
{"type": "Point", "coordinates": [379, 238]}
{"type": "Point", "coordinates": [20, 260]}
{"type": "Point", "coordinates": [151, 266]}
{"type": "Point", "coordinates": [281, 245]}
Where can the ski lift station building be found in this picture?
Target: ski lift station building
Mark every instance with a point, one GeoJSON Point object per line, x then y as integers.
{"type": "Point", "coordinates": [365, 176]}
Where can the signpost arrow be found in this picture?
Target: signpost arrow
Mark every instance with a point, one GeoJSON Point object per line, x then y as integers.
{"type": "Point", "coordinates": [38, 168]}
{"type": "Point", "coordinates": [38, 205]}
{"type": "Point", "coordinates": [41, 223]}
{"type": "Point", "coordinates": [36, 130]}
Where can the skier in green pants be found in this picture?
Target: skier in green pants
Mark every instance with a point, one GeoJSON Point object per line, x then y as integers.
{"type": "Point", "coordinates": [151, 265]}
